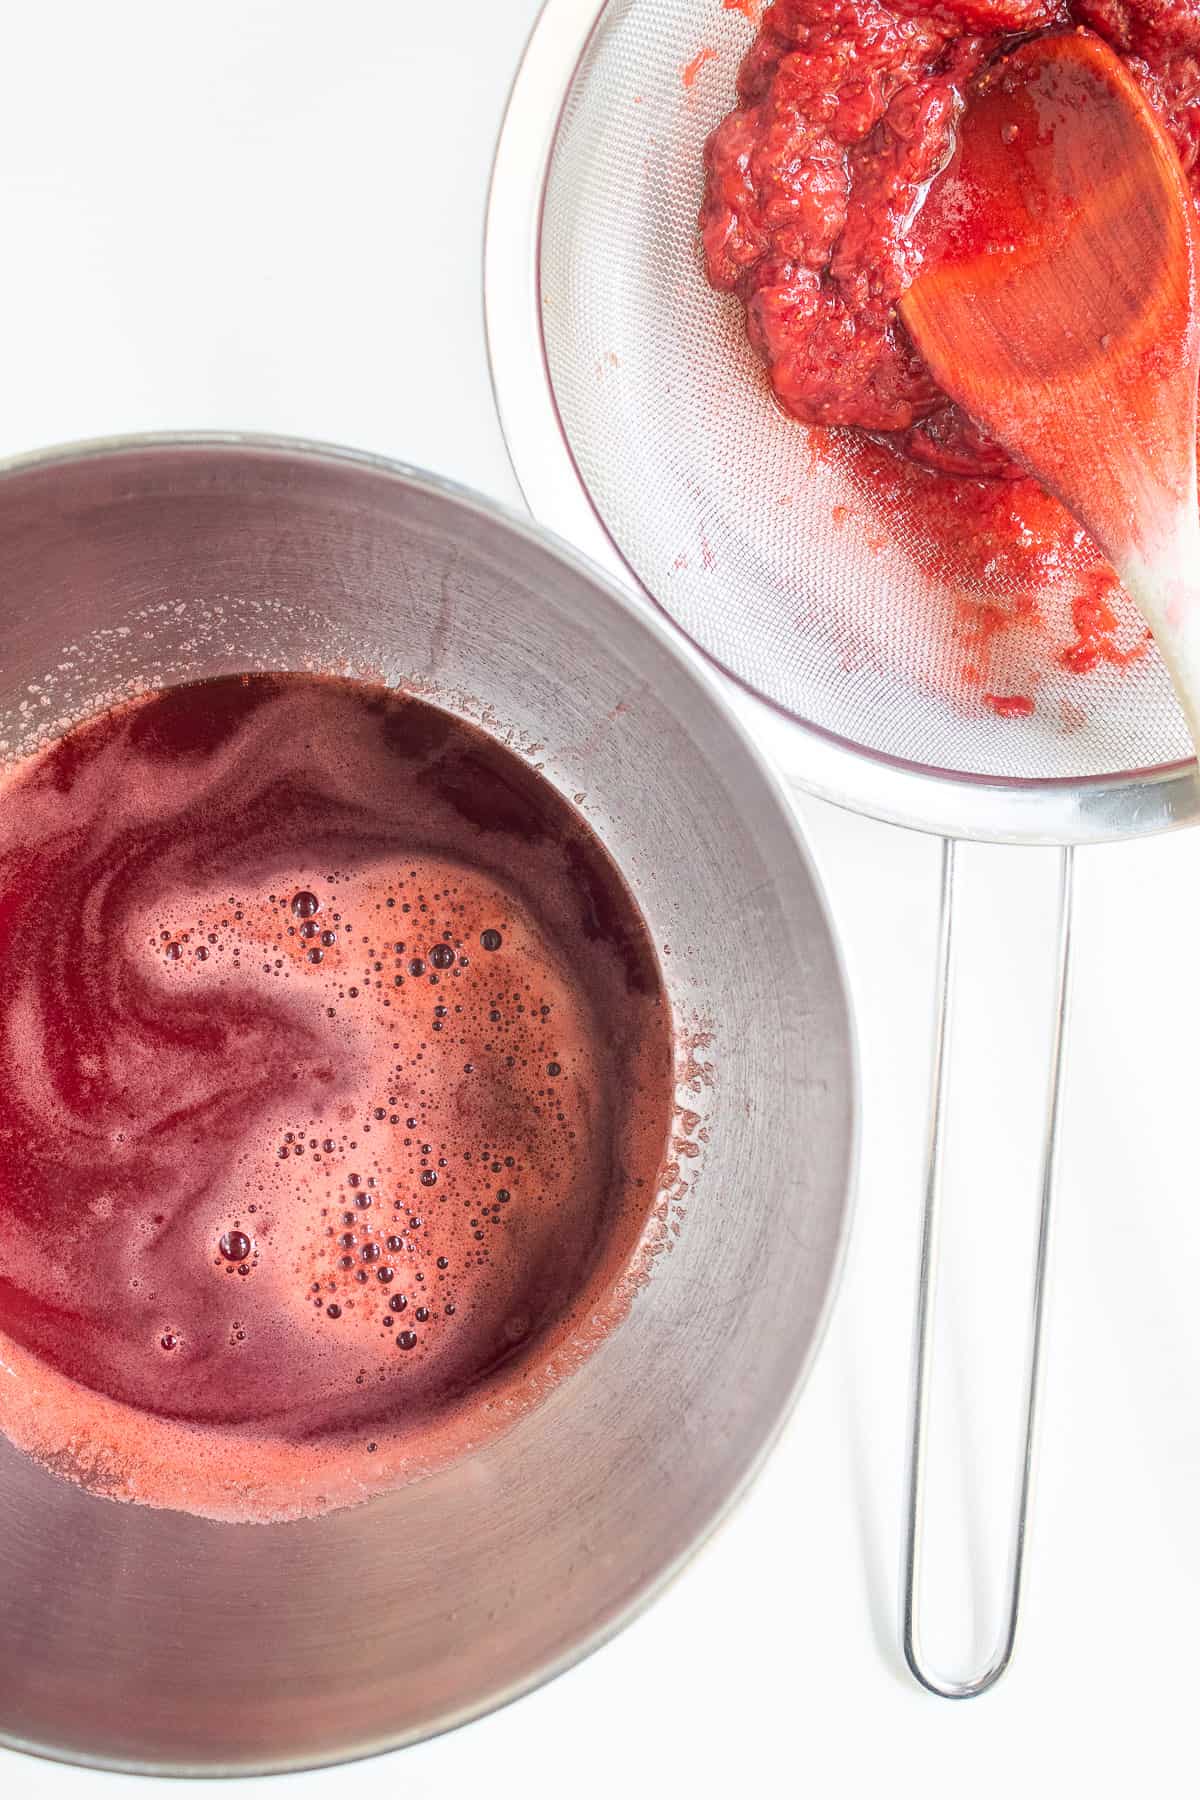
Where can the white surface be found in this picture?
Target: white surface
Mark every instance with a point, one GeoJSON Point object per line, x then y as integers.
{"type": "Point", "coordinates": [231, 216]}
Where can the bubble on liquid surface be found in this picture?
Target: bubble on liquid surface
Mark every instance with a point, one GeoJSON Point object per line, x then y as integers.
{"type": "Point", "coordinates": [329, 1080]}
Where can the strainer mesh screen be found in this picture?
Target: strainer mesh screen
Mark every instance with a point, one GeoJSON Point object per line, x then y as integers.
{"type": "Point", "coordinates": [765, 554]}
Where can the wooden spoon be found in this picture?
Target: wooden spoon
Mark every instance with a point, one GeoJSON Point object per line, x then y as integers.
{"type": "Point", "coordinates": [1057, 303]}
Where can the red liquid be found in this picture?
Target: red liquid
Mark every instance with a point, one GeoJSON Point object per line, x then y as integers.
{"type": "Point", "coordinates": [335, 1078]}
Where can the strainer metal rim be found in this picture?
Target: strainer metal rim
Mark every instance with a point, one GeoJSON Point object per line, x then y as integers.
{"type": "Point", "coordinates": [1061, 810]}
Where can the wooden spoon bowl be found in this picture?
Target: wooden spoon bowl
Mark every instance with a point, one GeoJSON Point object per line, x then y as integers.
{"type": "Point", "coordinates": [1057, 303]}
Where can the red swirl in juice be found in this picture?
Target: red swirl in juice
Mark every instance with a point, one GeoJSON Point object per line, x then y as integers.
{"type": "Point", "coordinates": [335, 1079]}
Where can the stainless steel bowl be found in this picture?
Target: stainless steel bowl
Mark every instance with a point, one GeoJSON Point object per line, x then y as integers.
{"type": "Point", "coordinates": [156, 1641]}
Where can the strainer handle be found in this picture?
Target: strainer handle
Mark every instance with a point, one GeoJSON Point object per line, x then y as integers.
{"type": "Point", "coordinates": [927, 1280]}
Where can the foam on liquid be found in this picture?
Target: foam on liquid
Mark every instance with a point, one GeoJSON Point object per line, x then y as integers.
{"type": "Point", "coordinates": [335, 1077]}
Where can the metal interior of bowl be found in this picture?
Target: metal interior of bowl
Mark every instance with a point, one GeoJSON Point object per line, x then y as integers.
{"type": "Point", "coordinates": [154, 1640]}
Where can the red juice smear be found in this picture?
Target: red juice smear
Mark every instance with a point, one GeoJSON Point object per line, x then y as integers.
{"type": "Point", "coordinates": [692, 69]}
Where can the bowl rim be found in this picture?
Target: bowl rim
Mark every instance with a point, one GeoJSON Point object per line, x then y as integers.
{"type": "Point", "coordinates": [646, 617]}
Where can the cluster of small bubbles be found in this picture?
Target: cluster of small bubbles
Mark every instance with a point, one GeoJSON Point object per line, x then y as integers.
{"type": "Point", "coordinates": [344, 1238]}
{"type": "Point", "coordinates": [440, 958]}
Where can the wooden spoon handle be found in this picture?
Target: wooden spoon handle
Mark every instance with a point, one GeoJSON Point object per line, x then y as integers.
{"type": "Point", "coordinates": [1164, 583]}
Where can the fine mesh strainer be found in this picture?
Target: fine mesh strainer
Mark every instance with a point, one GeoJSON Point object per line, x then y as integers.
{"type": "Point", "coordinates": [640, 426]}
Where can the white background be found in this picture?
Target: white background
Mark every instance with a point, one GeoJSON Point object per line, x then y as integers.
{"type": "Point", "coordinates": [268, 216]}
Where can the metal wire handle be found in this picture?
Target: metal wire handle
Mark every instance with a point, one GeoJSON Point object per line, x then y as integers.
{"type": "Point", "coordinates": [927, 1281]}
